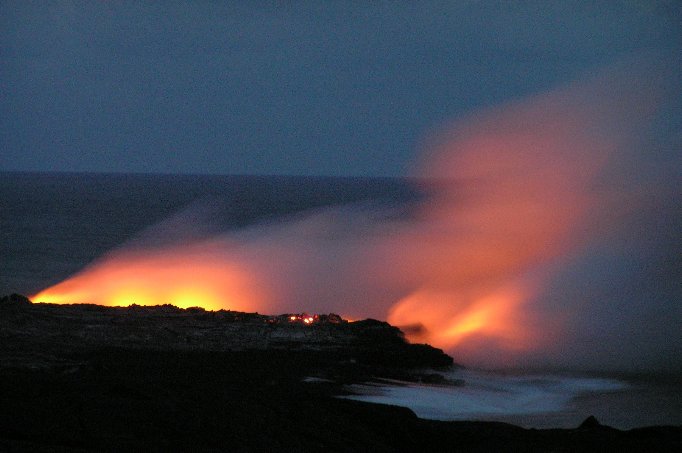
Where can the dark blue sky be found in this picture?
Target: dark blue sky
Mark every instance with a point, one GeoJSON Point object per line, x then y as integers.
{"type": "Point", "coordinates": [321, 88]}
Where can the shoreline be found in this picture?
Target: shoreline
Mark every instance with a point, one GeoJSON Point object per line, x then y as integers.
{"type": "Point", "coordinates": [119, 397]}
{"type": "Point", "coordinates": [532, 400]}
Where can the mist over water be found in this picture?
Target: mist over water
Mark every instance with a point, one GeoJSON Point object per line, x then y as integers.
{"type": "Point", "coordinates": [547, 235]}
{"type": "Point", "coordinates": [535, 400]}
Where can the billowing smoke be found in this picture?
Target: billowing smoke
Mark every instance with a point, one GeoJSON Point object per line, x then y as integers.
{"type": "Point", "coordinates": [548, 235]}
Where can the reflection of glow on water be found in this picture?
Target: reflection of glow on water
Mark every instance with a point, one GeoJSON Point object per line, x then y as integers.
{"type": "Point", "coordinates": [489, 396]}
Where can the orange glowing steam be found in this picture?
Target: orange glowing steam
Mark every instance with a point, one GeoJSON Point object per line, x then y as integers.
{"type": "Point", "coordinates": [513, 192]}
{"type": "Point", "coordinates": [184, 276]}
{"type": "Point", "coordinates": [492, 315]}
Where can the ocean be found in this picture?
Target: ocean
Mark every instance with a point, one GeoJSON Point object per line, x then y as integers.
{"type": "Point", "coordinates": [537, 399]}
{"type": "Point", "coordinates": [55, 224]}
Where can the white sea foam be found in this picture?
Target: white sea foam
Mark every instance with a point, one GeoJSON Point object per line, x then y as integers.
{"type": "Point", "coordinates": [489, 395]}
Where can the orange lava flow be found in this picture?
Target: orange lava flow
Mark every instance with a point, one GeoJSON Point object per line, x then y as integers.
{"type": "Point", "coordinates": [184, 276]}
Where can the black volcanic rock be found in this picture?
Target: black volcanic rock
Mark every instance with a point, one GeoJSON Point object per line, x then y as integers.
{"type": "Point", "coordinates": [14, 300]}
{"type": "Point", "coordinates": [86, 378]}
{"type": "Point", "coordinates": [52, 332]}
{"type": "Point", "coordinates": [590, 423]}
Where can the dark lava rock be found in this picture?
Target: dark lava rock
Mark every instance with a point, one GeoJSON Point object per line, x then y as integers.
{"type": "Point", "coordinates": [590, 423]}
{"type": "Point", "coordinates": [16, 300]}
{"type": "Point", "coordinates": [53, 332]}
{"type": "Point", "coordinates": [77, 378]}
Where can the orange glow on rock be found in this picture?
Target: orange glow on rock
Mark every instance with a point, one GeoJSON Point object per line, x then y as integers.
{"type": "Point", "coordinates": [184, 276]}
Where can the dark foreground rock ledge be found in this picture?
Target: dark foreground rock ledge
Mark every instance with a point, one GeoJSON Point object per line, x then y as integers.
{"type": "Point", "coordinates": [48, 335]}
{"type": "Point", "coordinates": [89, 378]}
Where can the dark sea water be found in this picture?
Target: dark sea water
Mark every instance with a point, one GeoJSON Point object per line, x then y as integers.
{"type": "Point", "coordinates": [53, 224]}
{"type": "Point", "coordinates": [539, 399]}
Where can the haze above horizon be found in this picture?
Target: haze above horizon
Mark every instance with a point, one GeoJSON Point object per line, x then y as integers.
{"type": "Point", "coordinates": [309, 88]}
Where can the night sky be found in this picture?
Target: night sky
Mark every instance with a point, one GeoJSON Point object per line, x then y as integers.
{"type": "Point", "coordinates": [305, 88]}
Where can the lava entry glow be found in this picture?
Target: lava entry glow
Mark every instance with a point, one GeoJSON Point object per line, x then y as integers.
{"type": "Point", "coordinates": [187, 276]}
{"type": "Point", "coordinates": [491, 316]}
{"type": "Point", "coordinates": [514, 193]}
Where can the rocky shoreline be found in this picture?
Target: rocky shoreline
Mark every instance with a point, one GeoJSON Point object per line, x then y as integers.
{"type": "Point", "coordinates": [92, 378]}
{"type": "Point", "coordinates": [49, 336]}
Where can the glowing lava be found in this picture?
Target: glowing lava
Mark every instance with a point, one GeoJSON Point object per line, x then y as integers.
{"type": "Point", "coordinates": [184, 276]}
